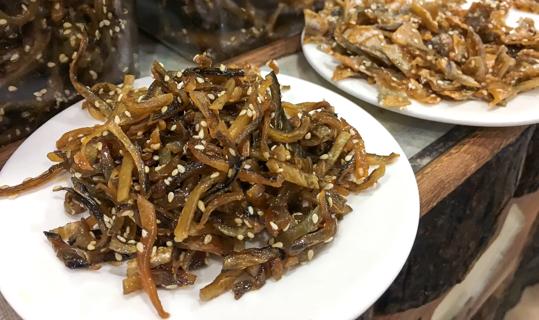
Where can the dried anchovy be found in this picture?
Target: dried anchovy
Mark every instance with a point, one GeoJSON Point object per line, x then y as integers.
{"type": "Point", "coordinates": [38, 40]}
{"type": "Point", "coordinates": [429, 50]}
{"type": "Point", "coordinates": [206, 161]}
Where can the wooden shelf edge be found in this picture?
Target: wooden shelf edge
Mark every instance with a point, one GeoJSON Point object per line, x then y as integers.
{"type": "Point", "coordinates": [274, 50]}
{"type": "Point", "coordinates": [445, 173]}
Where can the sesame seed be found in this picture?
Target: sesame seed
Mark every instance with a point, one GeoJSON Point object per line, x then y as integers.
{"type": "Point", "coordinates": [249, 91]}
{"type": "Point", "coordinates": [179, 85]}
{"type": "Point", "coordinates": [140, 247]}
{"type": "Point", "coordinates": [310, 254]}
{"type": "Point", "coordinates": [214, 175]}
{"type": "Point", "coordinates": [250, 113]}
{"type": "Point", "coordinates": [240, 237]}
{"type": "Point", "coordinates": [330, 201]}
{"type": "Point", "coordinates": [146, 169]}
{"type": "Point", "coordinates": [211, 96]}
{"type": "Point", "coordinates": [127, 113]}
{"type": "Point", "coordinates": [144, 233]}
{"type": "Point", "coordinates": [250, 235]}
{"type": "Point", "coordinates": [207, 239]}
{"type": "Point", "coordinates": [222, 68]}
{"type": "Point", "coordinates": [266, 155]}
{"type": "Point", "coordinates": [169, 243]}
{"type": "Point", "coordinates": [315, 218]}
{"type": "Point", "coordinates": [51, 64]}
{"type": "Point", "coordinates": [173, 128]}
{"type": "Point", "coordinates": [14, 57]}
{"type": "Point", "coordinates": [324, 156]}
{"type": "Point", "coordinates": [199, 147]}
{"type": "Point", "coordinates": [232, 151]}
{"type": "Point", "coordinates": [251, 210]}
{"type": "Point", "coordinates": [155, 146]}
{"type": "Point", "coordinates": [348, 157]}
{"type": "Point", "coordinates": [308, 136]}
{"type": "Point", "coordinates": [243, 112]}
{"type": "Point", "coordinates": [201, 205]}
{"type": "Point", "coordinates": [167, 78]}
{"type": "Point", "coordinates": [63, 58]}
{"type": "Point", "coordinates": [274, 226]}
{"type": "Point", "coordinates": [329, 240]}
{"type": "Point", "coordinates": [277, 245]}
{"type": "Point", "coordinates": [78, 175]}
{"type": "Point", "coordinates": [117, 120]}
{"type": "Point", "coordinates": [328, 186]}
{"type": "Point", "coordinates": [181, 168]}
{"type": "Point", "coordinates": [93, 74]}
{"type": "Point", "coordinates": [164, 109]}
{"type": "Point", "coordinates": [200, 80]}
{"type": "Point", "coordinates": [238, 221]}
{"type": "Point", "coordinates": [118, 256]}
{"type": "Point", "coordinates": [170, 197]}
{"type": "Point", "coordinates": [174, 172]}
{"type": "Point", "coordinates": [91, 246]}
{"type": "Point", "coordinates": [259, 99]}
{"type": "Point", "coordinates": [12, 88]}
{"type": "Point", "coordinates": [3, 22]}
{"type": "Point", "coordinates": [247, 166]}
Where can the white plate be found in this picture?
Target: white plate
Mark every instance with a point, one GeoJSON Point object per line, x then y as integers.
{"type": "Point", "coordinates": [521, 110]}
{"type": "Point", "coordinates": [370, 247]}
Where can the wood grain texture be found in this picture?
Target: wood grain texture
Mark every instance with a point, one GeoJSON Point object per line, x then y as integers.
{"type": "Point", "coordinates": [423, 312]}
{"type": "Point", "coordinates": [451, 169]}
{"type": "Point", "coordinates": [274, 50]}
{"type": "Point", "coordinates": [7, 151]}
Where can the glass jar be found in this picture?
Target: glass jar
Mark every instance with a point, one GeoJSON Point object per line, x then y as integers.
{"type": "Point", "coordinates": [38, 40]}
{"type": "Point", "coordinates": [221, 28]}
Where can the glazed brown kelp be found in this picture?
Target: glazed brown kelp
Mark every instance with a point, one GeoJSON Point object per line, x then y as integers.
{"type": "Point", "coordinates": [38, 40]}
{"type": "Point", "coordinates": [208, 161]}
{"type": "Point", "coordinates": [429, 50]}
{"type": "Point", "coordinates": [222, 28]}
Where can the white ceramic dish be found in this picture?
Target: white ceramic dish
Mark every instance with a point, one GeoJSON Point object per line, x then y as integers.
{"type": "Point", "coordinates": [370, 248]}
{"type": "Point", "coordinates": [521, 110]}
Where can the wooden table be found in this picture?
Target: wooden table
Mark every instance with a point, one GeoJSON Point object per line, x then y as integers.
{"type": "Point", "coordinates": [467, 177]}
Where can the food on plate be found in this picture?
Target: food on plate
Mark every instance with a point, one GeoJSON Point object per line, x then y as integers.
{"type": "Point", "coordinates": [208, 161]}
{"type": "Point", "coordinates": [527, 5]}
{"type": "Point", "coordinates": [429, 50]}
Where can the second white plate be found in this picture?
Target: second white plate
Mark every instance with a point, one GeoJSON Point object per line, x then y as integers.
{"type": "Point", "coordinates": [522, 110]}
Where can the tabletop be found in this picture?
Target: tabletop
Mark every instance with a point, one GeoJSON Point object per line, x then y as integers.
{"type": "Point", "coordinates": [449, 161]}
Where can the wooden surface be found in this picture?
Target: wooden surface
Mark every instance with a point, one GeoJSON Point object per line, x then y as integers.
{"type": "Point", "coordinates": [274, 50]}
{"type": "Point", "coordinates": [443, 175]}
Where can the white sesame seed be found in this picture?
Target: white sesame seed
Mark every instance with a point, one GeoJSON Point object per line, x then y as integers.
{"type": "Point", "coordinates": [203, 123]}
{"type": "Point", "coordinates": [91, 246]}
{"type": "Point", "coordinates": [169, 243]}
{"type": "Point", "coordinates": [328, 186]}
{"type": "Point", "coordinates": [348, 157]}
{"type": "Point", "coordinates": [277, 245]}
{"type": "Point", "coordinates": [181, 168]}
{"type": "Point", "coordinates": [117, 120]}
{"type": "Point", "coordinates": [240, 237]}
{"type": "Point", "coordinates": [232, 151]}
{"type": "Point", "coordinates": [243, 112]}
{"type": "Point", "coordinates": [146, 169]}
{"type": "Point", "coordinates": [170, 197]}
{"type": "Point", "coordinates": [174, 172]}
{"type": "Point", "coordinates": [214, 175]}
{"type": "Point", "coordinates": [118, 256]}
{"type": "Point", "coordinates": [173, 128]}
{"type": "Point", "coordinates": [251, 210]}
{"type": "Point", "coordinates": [324, 156]}
{"type": "Point", "coordinates": [51, 64]}
{"type": "Point", "coordinates": [330, 201]}
{"type": "Point", "coordinates": [199, 147]}
{"type": "Point", "coordinates": [93, 74]}
{"type": "Point", "coordinates": [167, 78]}
{"type": "Point", "coordinates": [247, 166]}
{"type": "Point", "coordinates": [155, 146]}
{"type": "Point", "coordinates": [140, 247]}
{"type": "Point", "coordinates": [329, 240]}
{"type": "Point", "coordinates": [250, 113]}
{"type": "Point", "coordinates": [310, 254]}
{"type": "Point", "coordinates": [249, 91]}
{"type": "Point", "coordinates": [238, 221]}
{"type": "Point", "coordinates": [12, 88]}
{"type": "Point", "coordinates": [164, 109]}
{"type": "Point", "coordinates": [63, 58]}
{"type": "Point", "coordinates": [78, 175]}
{"type": "Point", "coordinates": [259, 99]}
{"type": "Point", "coordinates": [200, 80]}
{"type": "Point", "coordinates": [315, 218]}
{"type": "Point", "coordinates": [274, 226]}
{"type": "Point", "coordinates": [201, 206]}
{"type": "Point", "coordinates": [250, 235]}
{"type": "Point", "coordinates": [308, 136]}
{"type": "Point", "coordinates": [266, 155]}
{"type": "Point", "coordinates": [222, 68]}
{"type": "Point", "coordinates": [207, 239]}
{"type": "Point", "coordinates": [211, 96]}
{"type": "Point", "coordinates": [180, 85]}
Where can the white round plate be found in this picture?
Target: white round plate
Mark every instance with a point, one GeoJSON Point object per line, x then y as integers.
{"type": "Point", "coordinates": [521, 110]}
{"type": "Point", "coordinates": [341, 282]}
